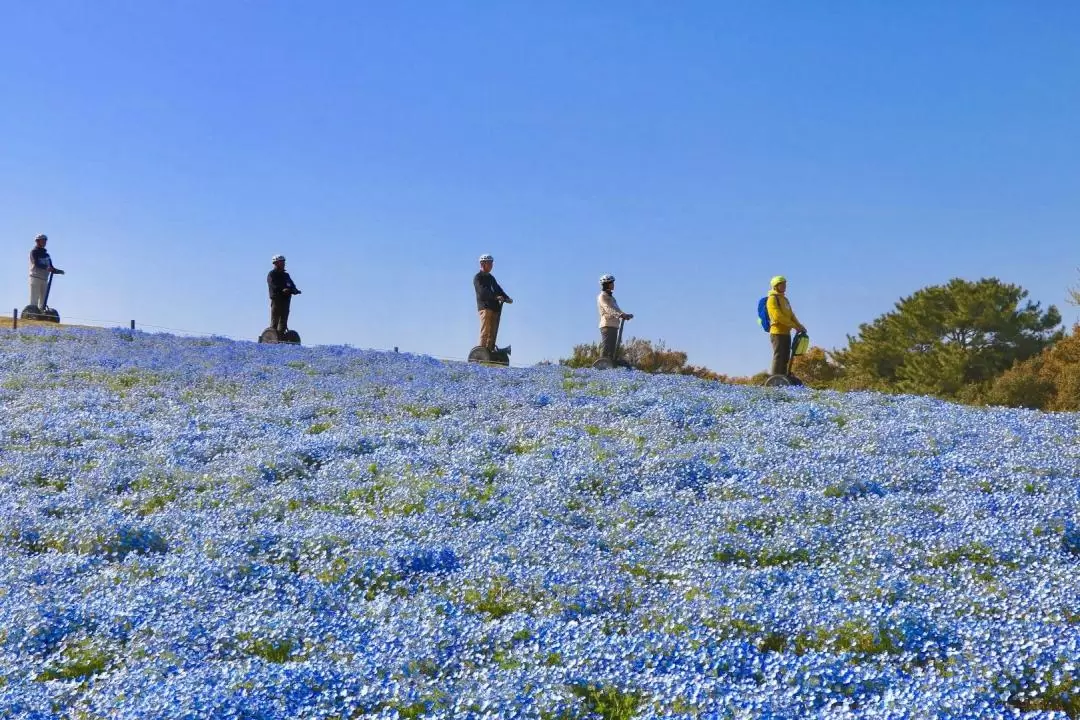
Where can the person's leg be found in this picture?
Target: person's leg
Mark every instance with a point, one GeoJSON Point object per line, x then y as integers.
{"type": "Point", "coordinates": [37, 292]}
{"type": "Point", "coordinates": [283, 313]}
{"type": "Point", "coordinates": [609, 338]}
{"type": "Point", "coordinates": [781, 353]}
{"type": "Point", "coordinates": [487, 329]}
{"type": "Point", "coordinates": [274, 313]}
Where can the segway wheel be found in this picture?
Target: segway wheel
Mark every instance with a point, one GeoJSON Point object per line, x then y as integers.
{"type": "Point", "coordinates": [603, 363]}
{"type": "Point", "coordinates": [50, 315]}
{"type": "Point", "coordinates": [778, 381]}
{"type": "Point", "coordinates": [480, 354]}
{"type": "Point", "coordinates": [291, 336]}
{"type": "Point", "coordinates": [501, 356]}
{"type": "Point", "coordinates": [269, 335]}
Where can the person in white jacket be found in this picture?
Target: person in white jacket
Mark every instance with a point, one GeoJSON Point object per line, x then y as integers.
{"type": "Point", "coordinates": [41, 268]}
{"type": "Point", "coordinates": [611, 316]}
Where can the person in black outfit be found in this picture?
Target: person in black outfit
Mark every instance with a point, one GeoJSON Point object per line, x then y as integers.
{"type": "Point", "coordinates": [489, 301]}
{"type": "Point", "coordinates": [281, 291]}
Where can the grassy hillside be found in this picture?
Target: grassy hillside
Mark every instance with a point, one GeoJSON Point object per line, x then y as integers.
{"type": "Point", "coordinates": [199, 528]}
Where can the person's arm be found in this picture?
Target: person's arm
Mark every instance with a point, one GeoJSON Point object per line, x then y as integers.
{"type": "Point", "coordinates": [780, 313]}
{"type": "Point", "coordinates": [609, 308]}
{"type": "Point", "coordinates": [500, 294]}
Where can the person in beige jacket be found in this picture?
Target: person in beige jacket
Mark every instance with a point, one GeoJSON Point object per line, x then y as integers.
{"type": "Point", "coordinates": [611, 316]}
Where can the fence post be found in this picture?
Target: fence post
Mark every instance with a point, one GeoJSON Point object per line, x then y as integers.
{"type": "Point", "coordinates": [15, 319]}
{"type": "Point", "coordinates": [395, 348]}
{"type": "Point", "coordinates": [133, 325]}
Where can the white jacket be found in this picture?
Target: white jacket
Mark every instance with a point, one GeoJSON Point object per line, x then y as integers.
{"type": "Point", "coordinates": [610, 314]}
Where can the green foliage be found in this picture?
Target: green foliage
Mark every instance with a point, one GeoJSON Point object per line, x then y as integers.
{"type": "Point", "coordinates": [274, 651]}
{"type": "Point", "coordinates": [975, 553]}
{"type": "Point", "coordinates": [948, 340]}
{"type": "Point", "coordinates": [79, 660]}
{"type": "Point", "coordinates": [853, 636]}
{"type": "Point", "coordinates": [1063, 696]}
{"type": "Point", "coordinates": [422, 412]}
{"type": "Point", "coordinates": [610, 703]}
{"type": "Point", "coordinates": [498, 600]}
{"type": "Point", "coordinates": [783, 557]}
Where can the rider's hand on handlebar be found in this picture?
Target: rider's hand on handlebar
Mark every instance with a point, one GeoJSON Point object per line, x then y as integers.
{"type": "Point", "coordinates": [627, 316]}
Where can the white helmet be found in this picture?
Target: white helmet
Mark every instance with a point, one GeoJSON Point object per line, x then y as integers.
{"type": "Point", "coordinates": [277, 258]}
{"type": "Point", "coordinates": [605, 279]}
{"type": "Point", "coordinates": [486, 258]}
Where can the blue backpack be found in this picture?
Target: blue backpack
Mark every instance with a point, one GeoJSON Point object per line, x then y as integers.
{"type": "Point", "coordinates": [763, 313]}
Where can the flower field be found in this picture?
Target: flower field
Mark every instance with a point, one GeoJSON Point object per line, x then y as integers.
{"type": "Point", "coordinates": [200, 528]}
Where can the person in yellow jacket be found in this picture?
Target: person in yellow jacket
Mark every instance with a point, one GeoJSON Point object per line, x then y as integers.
{"type": "Point", "coordinates": [782, 321]}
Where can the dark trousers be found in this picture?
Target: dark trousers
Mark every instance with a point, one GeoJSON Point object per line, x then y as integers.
{"type": "Point", "coordinates": [609, 340]}
{"type": "Point", "coordinates": [781, 354]}
{"type": "Point", "coordinates": [279, 313]}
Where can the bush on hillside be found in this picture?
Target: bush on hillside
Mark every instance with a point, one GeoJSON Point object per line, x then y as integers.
{"type": "Point", "coordinates": [645, 356]}
{"type": "Point", "coordinates": [1048, 381]}
{"type": "Point", "coordinates": [816, 369]}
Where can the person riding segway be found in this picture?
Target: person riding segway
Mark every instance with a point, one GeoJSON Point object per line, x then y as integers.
{"type": "Point", "coordinates": [612, 319]}
{"type": "Point", "coordinates": [490, 298]}
{"type": "Point", "coordinates": [780, 320]}
{"type": "Point", "coordinates": [282, 289]}
{"type": "Point", "coordinates": [41, 276]}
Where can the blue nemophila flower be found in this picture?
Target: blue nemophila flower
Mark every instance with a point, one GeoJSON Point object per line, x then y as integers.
{"type": "Point", "coordinates": [200, 528]}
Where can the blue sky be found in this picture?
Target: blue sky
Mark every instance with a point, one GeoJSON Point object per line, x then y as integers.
{"type": "Point", "coordinates": [693, 149]}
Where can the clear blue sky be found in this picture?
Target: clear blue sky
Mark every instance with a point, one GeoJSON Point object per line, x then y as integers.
{"type": "Point", "coordinates": [693, 149]}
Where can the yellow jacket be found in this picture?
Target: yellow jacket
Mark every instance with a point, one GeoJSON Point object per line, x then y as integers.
{"type": "Point", "coordinates": [781, 318]}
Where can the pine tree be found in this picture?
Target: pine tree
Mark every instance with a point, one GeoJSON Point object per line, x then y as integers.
{"type": "Point", "coordinates": [946, 339]}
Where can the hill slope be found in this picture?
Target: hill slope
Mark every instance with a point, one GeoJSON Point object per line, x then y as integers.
{"type": "Point", "coordinates": [204, 528]}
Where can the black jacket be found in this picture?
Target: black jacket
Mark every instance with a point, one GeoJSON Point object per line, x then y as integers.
{"type": "Point", "coordinates": [487, 292]}
{"type": "Point", "coordinates": [280, 284]}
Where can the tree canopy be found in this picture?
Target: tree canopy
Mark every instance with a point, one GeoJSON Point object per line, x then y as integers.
{"type": "Point", "coordinates": [949, 340]}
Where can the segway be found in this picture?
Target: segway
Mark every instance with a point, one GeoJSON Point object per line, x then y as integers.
{"type": "Point", "coordinates": [271, 335]}
{"type": "Point", "coordinates": [799, 345]}
{"type": "Point", "coordinates": [498, 356]}
{"type": "Point", "coordinates": [603, 363]}
{"type": "Point", "coordinates": [44, 313]}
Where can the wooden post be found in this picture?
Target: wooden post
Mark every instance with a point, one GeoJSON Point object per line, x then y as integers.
{"type": "Point", "coordinates": [133, 325]}
{"type": "Point", "coordinates": [15, 319]}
